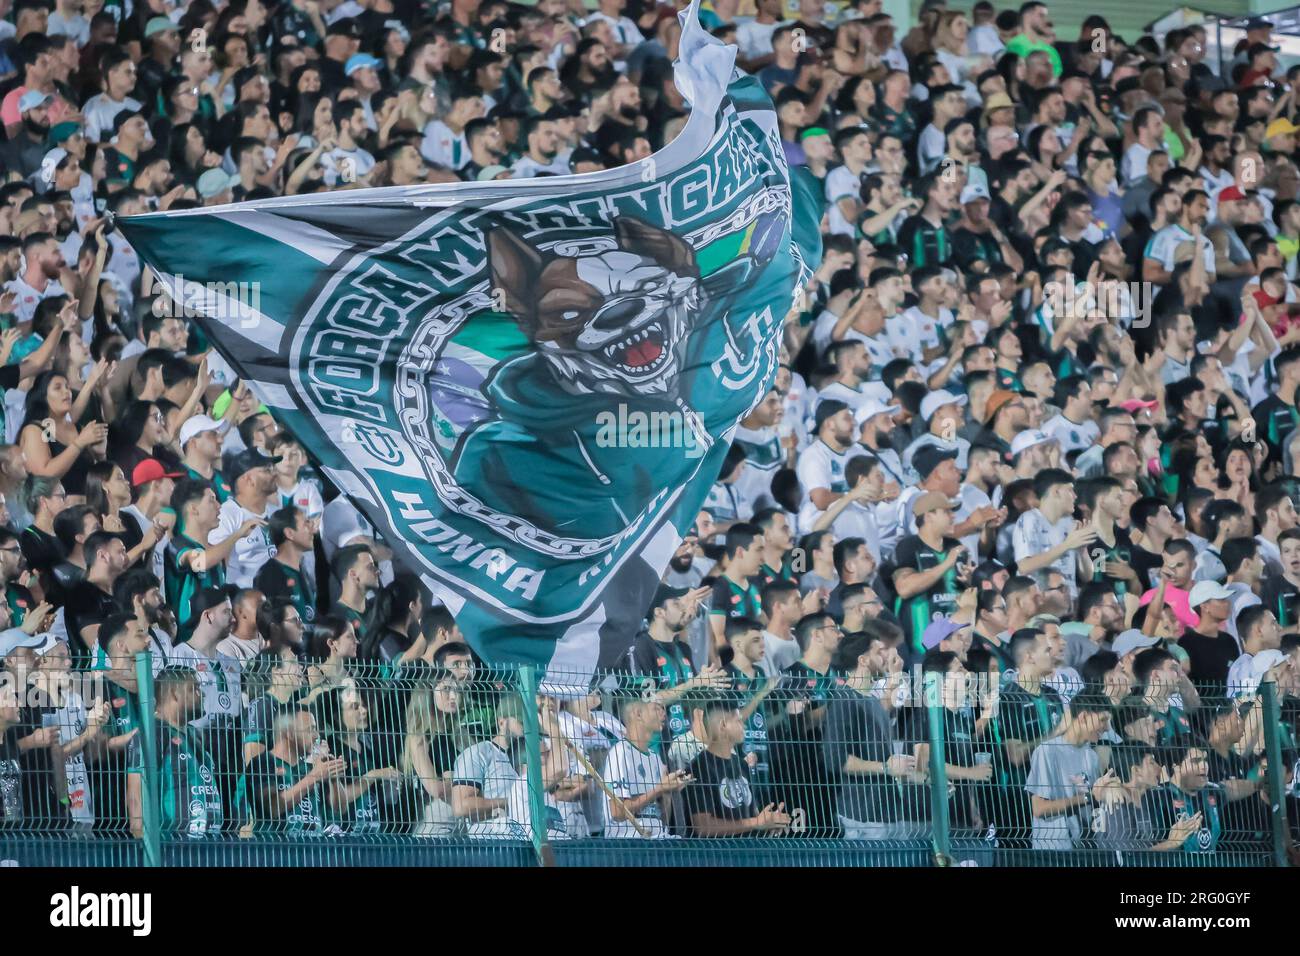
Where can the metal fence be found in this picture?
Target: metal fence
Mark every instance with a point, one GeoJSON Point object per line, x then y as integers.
{"type": "Point", "coordinates": [284, 762]}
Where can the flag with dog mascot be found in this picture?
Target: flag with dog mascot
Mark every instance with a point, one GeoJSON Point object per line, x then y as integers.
{"type": "Point", "coordinates": [527, 385]}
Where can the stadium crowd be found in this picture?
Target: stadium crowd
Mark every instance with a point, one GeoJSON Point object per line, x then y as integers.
{"type": "Point", "coordinates": [1032, 439]}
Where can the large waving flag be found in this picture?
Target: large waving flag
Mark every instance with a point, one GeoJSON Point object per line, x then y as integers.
{"type": "Point", "coordinates": [527, 385]}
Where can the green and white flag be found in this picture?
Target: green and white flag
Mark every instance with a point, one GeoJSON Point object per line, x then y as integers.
{"type": "Point", "coordinates": [528, 386]}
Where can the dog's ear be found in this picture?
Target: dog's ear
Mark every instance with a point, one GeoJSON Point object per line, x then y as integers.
{"type": "Point", "coordinates": [672, 252]}
{"type": "Point", "coordinates": [516, 271]}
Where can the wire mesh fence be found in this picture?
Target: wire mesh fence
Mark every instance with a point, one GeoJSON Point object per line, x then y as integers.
{"type": "Point", "coordinates": [340, 762]}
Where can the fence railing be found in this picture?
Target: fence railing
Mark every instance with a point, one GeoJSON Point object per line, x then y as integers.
{"type": "Point", "coordinates": [339, 762]}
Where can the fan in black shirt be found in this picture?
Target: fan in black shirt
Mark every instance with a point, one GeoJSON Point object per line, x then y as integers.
{"type": "Point", "coordinates": [1211, 649]}
{"type": "Point", "coordinates": [720, 798]}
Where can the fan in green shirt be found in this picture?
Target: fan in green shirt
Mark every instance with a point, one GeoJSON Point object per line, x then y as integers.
{"type": "Point", "coordinates": [1037, 26]}
{"type": "Point", "coordinates": [191, 795]}
{"type": "Point", "coordinates": [357, 572]}
{"type": "Point", "coordinates": [190, 565]}
{"type": "Point", "coordinates": [283, 577]}
{"type": "Point", "coordinates": [288, 788]}
{"type": "Point", "coordinates": [750, 686]}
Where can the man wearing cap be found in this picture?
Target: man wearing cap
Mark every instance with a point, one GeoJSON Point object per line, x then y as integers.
{"type": "Point", "coordinates": [130, 139]}
{"type": "Point", "coordinates": [252, 476]}
{"type": "Point", "coordinates": [1005, 416]}
{"type": "Point", "coordinates": [163, 41]}
{"type": "Point", "coordinates": [977, 238]}
{"type": "Point", "coordinates": [925, 570]}
{"type": "Point", "coordinates": [875, 423]}
{"type": "Point", "coordinates": [25, 149]}
{"type": "Point", "coordinates": [942, 413]}
{"type": "Point", "coordinates": [342, 42]}
{"type": "Point", "coordinates": [216, 187]}
{"type": "Point", "coordinates": [1280, 137]}
{"type": "Point", "coordinates": [362, 72]}
{"type": "Point", "coordinates": [200, 441]}
{"type": "Point", "coordinates": [821, 465]}
{"type": "Point", "coordinates": [662, 654]}
{"type": "Point", "coordinates": [1211, 648]}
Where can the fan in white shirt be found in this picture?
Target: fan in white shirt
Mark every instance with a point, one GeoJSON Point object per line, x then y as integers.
{"type": "Point", "coordinates": [252, 479]}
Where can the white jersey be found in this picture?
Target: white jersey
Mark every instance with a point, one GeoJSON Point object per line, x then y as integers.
{"type": "Point", "coordinates": [251, 551]}
{"type": "Point", "coordinates": [630, 773]}
{"type": "Point", "coordinates": [1070, 435]}
{"type": "Point", "coordinates": [218, 681]}
{"type": "Point", "coordinates": [72, 723]}
{"type": "Point", "coordinates": [1034, 535]}
{"type": "Point", "coordinates": [99, 113]}
{"type": "Point", "coordinates": [842, 183]}
{"type": "Point", "coordinates": [28, 298]}
{"type": "Point", "coordinates": [527, 168]}
{"type": "Point", "coordinates": [487, 768]}
{"type": "Point", "coordinates": [819, 467]}
{"type": "Point", "coordinates": [440, 145]}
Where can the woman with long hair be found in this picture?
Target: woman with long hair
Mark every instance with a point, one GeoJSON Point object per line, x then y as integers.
{"type": "Point", "coordinates": [107, 493]}
{"type": "Point", "coordinates": [949, 42]}
{"type": "Point", "coordinates": [139, 433]}
{"type": "Point", "coordinates": [279, 622]}
{"type": "Point", "coordinates": [1238, 475]}
{"type": "Point", "coordinates": [398, 640]}
{"type": "Point", "coordinates": [52, 444]}
{"type": "Point", "coordinates": [189, 152]}
{"type": "Point", "coordinates": [434, 739]}
{"type": "Point", "coordinates": [333, 650]}
{"type": "Point", "coordinates": [346, 725]}
{"type": "Point", "coordinates": [1012, 68]}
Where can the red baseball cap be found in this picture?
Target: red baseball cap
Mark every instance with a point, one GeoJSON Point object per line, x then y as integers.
{"type": "Point", "coordinates": [1133, 404]}
{"type": "Point", "coordinates": [1231, 194]}
{"type": "Point", "coordinates": [151, 469]}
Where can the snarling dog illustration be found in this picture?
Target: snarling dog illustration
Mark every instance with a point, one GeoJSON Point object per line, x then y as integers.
{"type": "Point", "coordinates": [615, 321]}
{"type": "Point", "coordinates": [608, 328]}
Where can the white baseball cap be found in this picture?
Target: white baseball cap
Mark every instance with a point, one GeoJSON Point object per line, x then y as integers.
{"type": "Point", "coordinates": [871, 408]}
{"type": "Point", "coordinates": [936, 400]}
{"type": "Point", "coordinates": [1028, 439]}
{"type": "Point", "coordinates": [196, 425]}
{"type": "Point", "coordinates": [1204, 591]}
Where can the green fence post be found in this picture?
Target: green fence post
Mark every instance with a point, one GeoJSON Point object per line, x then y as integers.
{"type": "Point", "coordinates": [533, 755]}
{"type": "Point", "coordinates": [1276, 772]}
{"type": "Point", "coordinates": [942, 838]}
{"type": "Point", "coordinates": [149, 787]}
